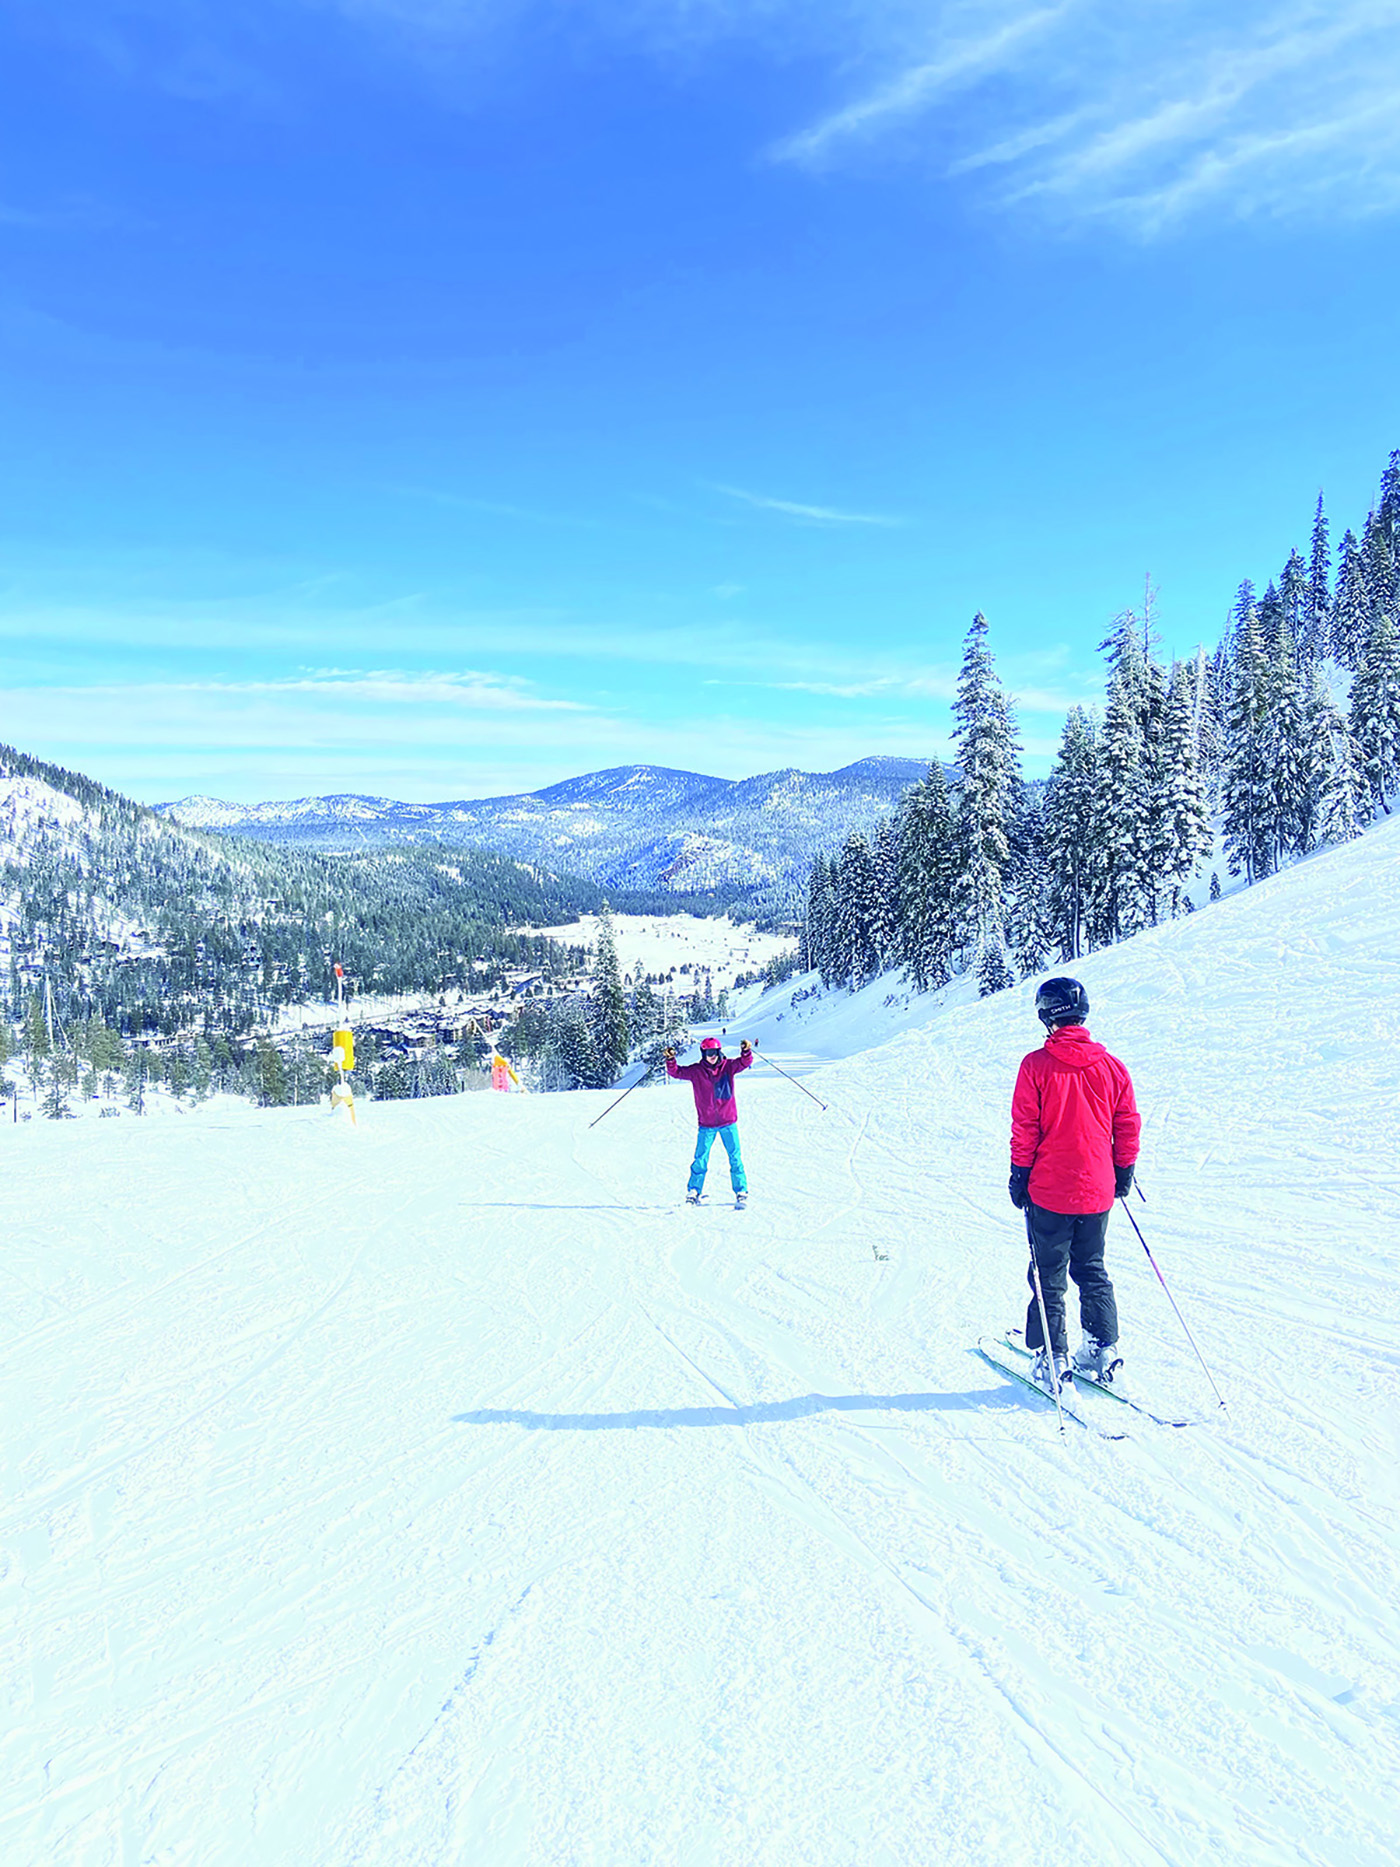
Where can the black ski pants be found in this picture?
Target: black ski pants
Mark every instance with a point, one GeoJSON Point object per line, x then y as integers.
{"type": "Point", "coordinates": [1073, 1242]}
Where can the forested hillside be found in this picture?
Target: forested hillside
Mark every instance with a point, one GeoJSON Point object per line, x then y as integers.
{"type": "Point", "coordinates": [132, 918]}
{"type": "Point", "coordinates": [1283, 739]}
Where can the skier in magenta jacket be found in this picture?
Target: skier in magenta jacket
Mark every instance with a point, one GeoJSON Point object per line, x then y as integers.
{"type": "Point", "coordinates": [1074, 1139]}
{"type": "Point", "coordinates": [712, 1083]}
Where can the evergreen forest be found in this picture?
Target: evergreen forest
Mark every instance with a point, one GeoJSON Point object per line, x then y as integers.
{"type": "Point", "coordinates": [1284, 738]}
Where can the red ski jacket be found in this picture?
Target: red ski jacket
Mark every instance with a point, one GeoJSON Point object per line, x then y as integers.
{"type": "Point", "coordinates": [1073, 1120]}
{"type": "Point", "coordinates": [715, 1106]}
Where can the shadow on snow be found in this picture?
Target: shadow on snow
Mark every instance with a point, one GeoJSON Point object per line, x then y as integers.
{"type": "Point", "coordinates": [760, 1414]}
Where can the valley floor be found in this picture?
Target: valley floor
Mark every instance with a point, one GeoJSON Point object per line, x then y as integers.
{"type": "Point", "coordinates": [443, 1491]}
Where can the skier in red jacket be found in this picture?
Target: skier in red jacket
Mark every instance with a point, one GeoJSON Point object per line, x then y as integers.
{"type": "Point", "coordinates": [1074, 1138]}
{"type": "Point", "coordinates": [712, 1083]}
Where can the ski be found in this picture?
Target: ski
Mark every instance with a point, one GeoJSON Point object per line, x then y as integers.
{"type": "Point", "coordinates": [1013, 1341]}
{"type": "Point", "coordinates": [1017, 1374]}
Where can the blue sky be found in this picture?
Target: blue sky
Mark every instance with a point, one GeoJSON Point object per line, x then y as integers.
{"type": "Point", "coordinates": [440, 397]}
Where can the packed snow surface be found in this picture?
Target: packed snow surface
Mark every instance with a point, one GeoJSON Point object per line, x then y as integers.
{"type": "Point", "coordinates": [443, 1491]}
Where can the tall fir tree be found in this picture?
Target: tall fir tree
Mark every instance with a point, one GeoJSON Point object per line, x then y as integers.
{"type": "Point", "coordinates": [1207, 719]}
{"type": "Point", "coordinates": [821, 921]}
{"type": "Point", "coordinates": [1351, 605]}
{"type": "Point", "coordinates": [578, 1050]}
{"type": "Point", "coordinates": [887, 906]}
{"type": "Point", "coordinates": [1185, 835]}
{"type": "Point", "coordinates": [1380, 547]}
{"type": "Point", "coordinates": [1030, 925]}
{"type": "Point", "coordinates": [928, 881]}
{"type": "Point", "coordinates": [1068, 834]}
{"type": "Point", "coordinates": [1317, 614]}
{"type": "Point", "coordinates": [857, 912]}
{"type": "Point", "coordinates": [611, 1038]}
{"type": "Point", "coordinates": [1345, 807]}
{"type": "Point", "coordinates": [1375, 711]}
{"type": "Point", "coordinates": [988, 782]}
{"type": "Point", "coordinates": [1286, 771]}
{"type": "Point", "coordinates": [1116, 819]}
{"type": "Point", "coordinates": [1245, 791]}
{"type": "Point", "coordinates": [1318, 603]}
{"type": "Point", "coordinates": [1293, 605]}
{"type": "Point", "coordinates": [1270, 619]}
{"type": "Point", "coordinates": [1321, 723]}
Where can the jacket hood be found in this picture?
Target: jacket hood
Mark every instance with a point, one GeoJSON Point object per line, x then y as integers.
{"type": "Point", "coordinates": [1073, 1048]}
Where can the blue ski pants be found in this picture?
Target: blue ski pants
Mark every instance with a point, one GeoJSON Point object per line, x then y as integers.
{"type": "Point", "coordinates": [704, 1141]}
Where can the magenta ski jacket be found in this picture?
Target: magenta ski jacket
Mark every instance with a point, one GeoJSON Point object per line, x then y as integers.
{"type": "Point", "coordinates": [715, 1106]}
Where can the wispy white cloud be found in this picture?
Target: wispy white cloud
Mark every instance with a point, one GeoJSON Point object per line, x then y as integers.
{"type": "Point", "coordinates": [1139, 113]}
{"type": "Point", "coordinates": [491, 693]}
{"type": "Point", "coordinates": [809, 515]}
{"type": "Point", "coordinates": [960, 62]}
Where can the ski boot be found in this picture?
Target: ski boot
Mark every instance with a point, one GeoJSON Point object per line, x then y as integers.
{"type": "Point", "coordinates": [1100, 1361]}
{"type": "Point", "coordinates": [692, 1196]}
{"type": "Point", "coordinates": [1040, 1371]}
{"type": "Point", "coordinates": [740, 1201]}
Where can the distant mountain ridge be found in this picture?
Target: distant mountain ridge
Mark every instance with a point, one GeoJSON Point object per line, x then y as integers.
{"type": "Point", "coordinates": [631, 826]}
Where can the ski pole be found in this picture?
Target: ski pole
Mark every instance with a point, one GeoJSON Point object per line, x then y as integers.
{"type": "Point", "coordinates": [792, 1079]}
{"type": "Point", "coordinates": [1172, 1300]}
{"type": "Point", "coordinates": [1045, 1328]}
{"type": "Point", "coordinates": [622, 1098]}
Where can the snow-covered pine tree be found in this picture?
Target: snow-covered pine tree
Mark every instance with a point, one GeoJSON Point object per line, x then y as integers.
{"type": "Point", "coordinates": [1375, 711]}
{"type": "Point", "coordinates": [993, 969]}
{"type": "Point", "coordinates": [1321, 726]}
{"type": "Point", "coordinates": [1153, 850]}
{"type": "Point", "coordinates": [1115, 822]}
{"type": "Point", "coordinates": [857, 911]}
{"type": "Point", "coordinates": [1351, 605]}
{"type": "Point", "coordinates": [1245, 791]}
{"type": "Point", "coordinates": [611, 1040]}
{"type": "Point", "coordinates": [1345, 806]}
{"type": "Point", "coordinates": [1287, 775]}
{"type": "Point", "coordinates": [1389, 505]}
{"type": "Point", "coordinates": [1207, 720]}
{"type": "Point", "coordinates": [1270, 613]}
{"type": "Point", "coordinates": [1380, 546]}
{"type": "Point", "coordinates": [887, 912]}
{"type": "Point", "coordinates": [988, 781]}
{"type": "Point", "coordinates": [577, 1049]}
{"type": "Point", "coordinates": [1030, 925]}
{"type": "Point", "coordinates": [1126, 647]}
{"type": "Point", "coordinates": [1293, 604]}
{"type": "Point", "coordinates": [1068, 833]}
{"type": "Point", "coordinates": [821, 920]}
{"type": "Point", "coordinates": [928, 879]}
{"type": "Point", "coordinates": [1317, 613]}
{"type": "Point", "coordinates": [1186, 838]}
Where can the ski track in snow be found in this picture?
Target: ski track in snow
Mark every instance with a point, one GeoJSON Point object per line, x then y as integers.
{"type": "Point", "coordinates": [444, 1490]}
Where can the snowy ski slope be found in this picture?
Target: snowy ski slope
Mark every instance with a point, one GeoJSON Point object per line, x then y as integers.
{"type": "Point", "coordinates": [444, 1492]}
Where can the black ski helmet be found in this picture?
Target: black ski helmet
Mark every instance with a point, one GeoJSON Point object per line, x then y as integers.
{"type": "Point", "coordinates": [1061, 1001]}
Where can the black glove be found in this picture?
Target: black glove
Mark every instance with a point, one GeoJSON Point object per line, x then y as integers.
{"type": "Point", "coordinates": [669, 1054]}
{"type": "Point", "coordinates": [1019, 1187]}
{"type": "Point", "coordinates": [1122, 1182]}
{"type": "Point", "coordinates": [746, 1048]}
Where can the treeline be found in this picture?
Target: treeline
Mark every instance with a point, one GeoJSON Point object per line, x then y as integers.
{"type": "Point", "coordinates": [89, 1061]}
{"type": "Point", "coordinates": [1287, 736]}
